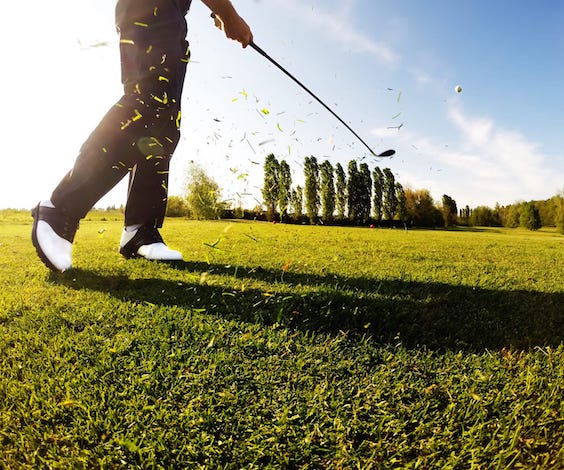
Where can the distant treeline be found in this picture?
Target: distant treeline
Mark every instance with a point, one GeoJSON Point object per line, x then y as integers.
{"type": "Point", "coordinates": [359, 197]}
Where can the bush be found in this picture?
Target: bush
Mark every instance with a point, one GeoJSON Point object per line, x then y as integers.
{"type": "Point", "coordinates": [176, 207]}
{"type": "Point", "coordinates": [513, 216]}
{"type": "Point", "coordinates": [203, 195]}
{"type": "Point", "coordinates": [559, 214]}
{"type": "Point", "coordinates": [530, 217]}
{"type": "Point", "coordinates": [484, 216]}
{"type": "Point", "coordinates": [421, 209]}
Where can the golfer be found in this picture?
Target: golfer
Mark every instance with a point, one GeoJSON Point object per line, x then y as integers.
{"type": "Point", "coordinates": [137, 136]}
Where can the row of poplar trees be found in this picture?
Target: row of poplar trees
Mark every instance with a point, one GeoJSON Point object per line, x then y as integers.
{"type": "Point", "coordinates": [357, 196]}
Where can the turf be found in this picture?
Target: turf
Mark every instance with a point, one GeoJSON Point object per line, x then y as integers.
{"type": "Point", "coordinates": [279, 346]}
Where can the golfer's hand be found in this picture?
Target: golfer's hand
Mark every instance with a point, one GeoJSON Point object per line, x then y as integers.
{"type": "Point", "coordinates": [234, 28]}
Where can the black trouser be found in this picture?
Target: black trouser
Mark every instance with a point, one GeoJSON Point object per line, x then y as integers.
{"type": "Point", "coordinates": [140, 132]}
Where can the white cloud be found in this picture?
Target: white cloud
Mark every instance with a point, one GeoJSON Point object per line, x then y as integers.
{"type": "Point", "coordinates": [339, 27]}
{"type": "Point", "coordinates": [512, 157]}
{"type": "Point", "coordinates": [487, 164]}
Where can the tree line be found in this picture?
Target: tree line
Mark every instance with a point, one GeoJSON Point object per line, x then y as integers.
{"type": "Point", "coordinates": [357, 196]}
{"type": "Point", "coordinates": [361, 196]}
{"type": "Point", "coordinates": [532, 215]}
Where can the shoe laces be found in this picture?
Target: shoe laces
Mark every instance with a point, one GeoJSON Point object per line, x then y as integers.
{"type": "Point", "coordinates": [59, 220]}
{"type": "Point", "coordinates": [149, 235]}
{"type": "Point", "coordinates": [69, 228]}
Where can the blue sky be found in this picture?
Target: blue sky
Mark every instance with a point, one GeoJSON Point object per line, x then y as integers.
{"type": "Point", "coordinates": [378, 63]}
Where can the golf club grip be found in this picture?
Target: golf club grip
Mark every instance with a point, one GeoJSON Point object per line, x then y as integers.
{"type": "Point", "coordinates": [265, 55]}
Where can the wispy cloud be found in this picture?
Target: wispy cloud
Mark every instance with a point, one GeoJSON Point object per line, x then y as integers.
{"type": "Point", "coordinates": [488, 164]}
{"type": "Point", "coordinates": [341, 28]}
{"type": "Point", "coordinates": [514, 160]}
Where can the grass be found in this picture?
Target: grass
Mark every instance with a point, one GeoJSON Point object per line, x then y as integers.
{"type": "Point", "coordinates": [278, 346]}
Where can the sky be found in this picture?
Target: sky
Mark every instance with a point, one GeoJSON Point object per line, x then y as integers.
{"type": "Point", "coordinates": [389, 68]}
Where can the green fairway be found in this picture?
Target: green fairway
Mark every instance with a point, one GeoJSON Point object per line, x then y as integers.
{"type": "Point", "coordinates": [284, 346]}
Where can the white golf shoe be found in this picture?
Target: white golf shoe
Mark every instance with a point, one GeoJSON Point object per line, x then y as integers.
{"type": "Point", "coordinates": [146, 242]}
{"type": "Point", "coordinates": [52, 236]}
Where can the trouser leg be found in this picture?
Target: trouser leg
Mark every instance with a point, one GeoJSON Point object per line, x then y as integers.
{"type": "Point", "coordinates": [148, 187]}
{"type": "Point", "coordinates": [139, 134]}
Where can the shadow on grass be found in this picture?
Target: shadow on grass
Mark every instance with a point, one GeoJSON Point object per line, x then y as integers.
{"type": "Point", "coordinates": [435, 315]}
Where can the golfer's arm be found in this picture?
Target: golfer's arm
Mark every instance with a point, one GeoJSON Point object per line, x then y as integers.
{"type": "Point", "coordinates": [222, 8]}
{"type": "Point", "coordinates": [229, 21]}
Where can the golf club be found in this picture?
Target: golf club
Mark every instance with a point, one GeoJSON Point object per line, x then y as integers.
{"type": "Point", "coordinates": [387, 153]}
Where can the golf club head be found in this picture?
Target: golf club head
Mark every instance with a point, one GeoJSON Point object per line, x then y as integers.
{"type": "Point", "coordinates": [387, 153]}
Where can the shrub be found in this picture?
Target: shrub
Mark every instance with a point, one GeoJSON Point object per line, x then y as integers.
{"type": "Point", "coordinates": [176, 207]}
{"type": "Point", "coordinates": [530, 217]}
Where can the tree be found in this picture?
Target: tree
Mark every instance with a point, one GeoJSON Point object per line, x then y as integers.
{"type": "Point", "coordinates": [464, 215]}
{"type": "Point", "coordinates": [311, 171]}
{"type": "Point", "coordinates": [353, 190]}
{"type": "Point", "coordinates": [498, 214]}
{"type": "Point", "coordinates": [449, 211]}
{"type": "Point", "coordinates": [297, 202]}
{"type": "Point", "coordinates": [513, 216]}
{"type": "Point", "coordinates": [402, 203]}
{"type": "Point", "coordinates": [202, 195]}
{"type": "Point", "coordinates": [378, 186]}
{"type": "Point", "coordinates": [270, 189]}
{"type": "Point", "coordinates": [547, 211]}
{"type": "Point", "coordinates": [327, 191]}
{"type": "Point", "coordinates": [530, 217]}
{"type": "Point", "coordinates": [176, 206]}
{"type": "Point", "coordinates": [365, 193]}
{"type": "Point", "coordinates": [484, 216]}
{"type": "Point", "coordinates": [341, 191]}
{"type": "Point", "coordinates": [559, 213]}
{"type": "Point", "coordinates": [284, 185]}
{"type": "Point", "coordinates": [389, 195]}
{"type": "Point", "coordinates": [421, 208]}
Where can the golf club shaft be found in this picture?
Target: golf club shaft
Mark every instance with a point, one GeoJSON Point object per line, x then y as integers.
{"type": "Point", "coordinates": [387, 153]}
{"type": "Point", "coordinates": [265, 55]}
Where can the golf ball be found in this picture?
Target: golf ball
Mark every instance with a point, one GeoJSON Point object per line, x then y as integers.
{"type": "Point", "coordinates": [458, 88]}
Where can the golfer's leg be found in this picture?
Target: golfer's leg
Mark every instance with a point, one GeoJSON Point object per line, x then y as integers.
{"type": "Point", "coordinates": [152, 45]}
{"type": "Point", "coordinates": [147, 192]}
{"type": "Point", "coordinates": [154, 57]}
{"type": "Point", "coordinates": [114, 148]}
{"type": "Point", "coordinates": [104, 159]}
{"type": "Point", "coordinates": [148, 186]}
